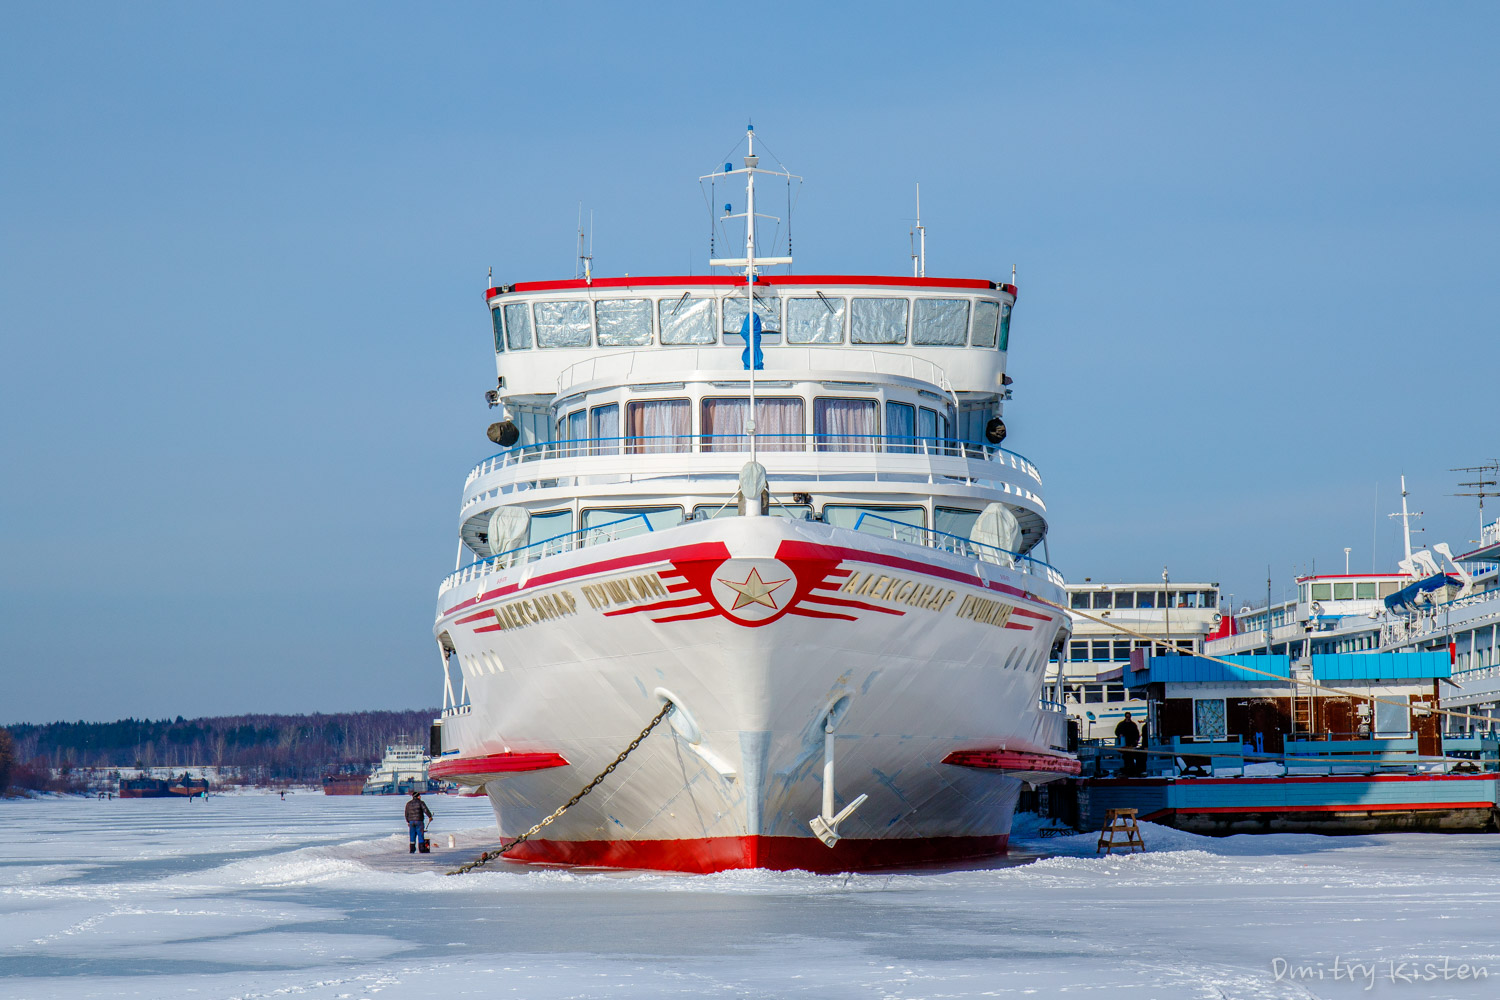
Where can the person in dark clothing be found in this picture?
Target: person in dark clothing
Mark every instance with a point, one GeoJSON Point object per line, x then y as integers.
{"type": "Point", "coordinates": [1127, 737]}
{"type": "Point", "coordinates": [416, 824]}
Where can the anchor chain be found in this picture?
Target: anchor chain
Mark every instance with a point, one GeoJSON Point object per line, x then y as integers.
{"type": "Point", "coordinates": [489, 856]}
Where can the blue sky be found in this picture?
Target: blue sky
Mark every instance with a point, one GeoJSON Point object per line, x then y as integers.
{"type": "Point", "coordinates": [242, 252]}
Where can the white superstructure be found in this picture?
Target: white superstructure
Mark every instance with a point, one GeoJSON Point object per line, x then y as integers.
{"type": "Point", "coordinates": [826, 564]}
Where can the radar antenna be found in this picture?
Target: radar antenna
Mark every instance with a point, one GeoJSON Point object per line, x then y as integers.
{"type": "Point", "coordinates": [750, 263]}
{"type": "Point", "coordinates": [1486, 485]}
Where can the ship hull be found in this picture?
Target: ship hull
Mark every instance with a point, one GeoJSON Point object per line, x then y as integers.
{"type": "Point", "coordinates": [756, 629]}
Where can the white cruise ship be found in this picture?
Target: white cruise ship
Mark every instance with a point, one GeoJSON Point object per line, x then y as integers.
{"type": "Point", "coordinates": [828, 565]}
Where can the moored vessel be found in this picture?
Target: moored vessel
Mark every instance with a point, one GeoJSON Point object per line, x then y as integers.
{"type": "Point", "coordinates": [780, 504]}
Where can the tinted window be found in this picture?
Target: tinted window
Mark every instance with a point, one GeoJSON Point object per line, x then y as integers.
{"type": "Point", "coordinates": [499, 329]}
{"type": "Point", "coordinates": [518, 326]}
{"type": "Point", "coordinates": [817, 320]}
{"type": "Point", "coordinates": [986, 321]}
{"type": "Point", "coordinates": [940, 321]}
{"type": "Point", "coordinates": [878, 321]}
{"type": "Point", "coordinates": [623, 322]}
{"type": "Point", "coordinates": [687, 319]}
{"type": "Point", "coordinates": [562, 323]}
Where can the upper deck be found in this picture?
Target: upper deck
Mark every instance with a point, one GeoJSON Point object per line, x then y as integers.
{"type": "Point", "coordinates": [951, 332]}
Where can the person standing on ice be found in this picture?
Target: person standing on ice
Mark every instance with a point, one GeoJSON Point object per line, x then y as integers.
{"type": "Point", "coordinates": [1128, 735]}
{"type": "Point", "coordinates": [415, 824]}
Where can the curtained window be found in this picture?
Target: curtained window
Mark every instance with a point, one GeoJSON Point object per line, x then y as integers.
{"type": "Point", "coordinates": [687, 319]}
{"type": "Point", "coordinates": [623, 322]}
{"type": "Point", "coordinates": [878, 321]}
{"type": "Point", "coordinates": [845, 424]}
{"type": "Point", "coordinates": [818, 320]}
{"type": "Point", "coordinates": [658, 425]}
{"type": "Point", "coordinates": [604, 428]}
{"type": "Point", "coordinates": [778, 424]}
{"type": "Point", "coordinates": [563, 323]}
{"type": "Point", "coordinates": [900, 426]}
{"type": "Point", "coordinates": [927, 430]}
{"type": "Point", "coordinates": [577, 430]}
{"type": "Point", "coordinates": [940, 321]}
{"type": "Point", "coordinates": [518, 326]}
{"type": "Point", "coordinates": [986, 319]}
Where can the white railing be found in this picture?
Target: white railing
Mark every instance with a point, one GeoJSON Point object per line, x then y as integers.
{"type": "Point", "coordinates": [626, 527]}
{"type": "Point", "coordinates": [900, 531]}
{"type": "Point", "coordinates": [696, 444]}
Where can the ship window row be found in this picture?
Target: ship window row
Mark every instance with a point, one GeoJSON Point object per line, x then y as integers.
{"type": "Point", "coordinates": [546, 525]}
{"type": "Point", "coordinates": [1127, 600]}
{"type": "Point", "coordinates": [1118, 650]}
{"type": "Point", "coordinates": [1351, 590]}
{"type": "Point", "coordinates": [689, 319]}
{"type": "Point", "coordinates": [1092, 694]}
{"type": "Point", "coordinates": [654, 426]}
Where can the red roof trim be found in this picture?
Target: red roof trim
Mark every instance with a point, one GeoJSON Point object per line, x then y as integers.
{"type": "Point", "coordinates": [731, 281]}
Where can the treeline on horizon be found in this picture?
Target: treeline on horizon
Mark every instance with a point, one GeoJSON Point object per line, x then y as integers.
{"type": "Point", "coordinates": [260, 747]}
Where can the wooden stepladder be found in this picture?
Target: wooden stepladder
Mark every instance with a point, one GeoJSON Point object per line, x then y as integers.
{"type": "Point", "coordinates": [1120, 821]}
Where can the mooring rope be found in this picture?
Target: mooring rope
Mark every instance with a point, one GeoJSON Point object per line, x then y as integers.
{"type": "Point", "coordinates": [489, 856]}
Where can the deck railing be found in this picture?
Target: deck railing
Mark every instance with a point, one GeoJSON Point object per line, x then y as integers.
{"type": "Point", "coordinates": [625, 527]}
{"type": "Point", "coordinates": [957, 544]}
{"type": "Point", "coordinates": [694, 444]}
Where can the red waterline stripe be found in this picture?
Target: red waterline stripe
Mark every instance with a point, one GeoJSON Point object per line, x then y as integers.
{"type": "Point", "coordinates": [495, 763]}
{"type": "Point", "coordinates": [712, 854]}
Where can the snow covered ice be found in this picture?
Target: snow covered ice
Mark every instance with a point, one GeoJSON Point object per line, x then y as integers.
{"type": "Point", "coordinates": [315, 897]}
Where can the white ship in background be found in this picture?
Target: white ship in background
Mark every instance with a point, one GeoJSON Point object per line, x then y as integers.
{"type": "Point", "coordinates": [826, 565]}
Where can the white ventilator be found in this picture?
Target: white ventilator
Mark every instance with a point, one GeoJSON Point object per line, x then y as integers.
{"type": "Point", "coordinates": [997, 528]}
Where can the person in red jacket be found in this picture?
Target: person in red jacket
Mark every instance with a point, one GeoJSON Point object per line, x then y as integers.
{"type": "Point", "coordinates": [415, 824]}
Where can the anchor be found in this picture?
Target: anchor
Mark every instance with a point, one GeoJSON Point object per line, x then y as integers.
{"type": "Point", "coordinates": [826, 825]}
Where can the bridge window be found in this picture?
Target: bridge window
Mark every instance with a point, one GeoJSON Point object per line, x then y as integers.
{"type": "Point", "coordinates": [1104, 600]}
{"type": "Point", "coordinates": [658, 425]}
{"type": "Point", "coordinates": [563, 323]}
{"type": "Point", "coordinates": [913, 519]}
{"type": "Point", "coordinates": [1322, 591]}
{"type": "Point", "coordinates": [986, 320]}
{"type": "Point", "coordinates": [518, 326]}
{"type": "Point", "coordinates": [878, 321]}
{"type": "Point", "coordinates": [940, 321]}
{"type": "Point", "coordinates": [818, 320]}
{"type": "Point", "coordinates": [687, 319]}
{"type": "Point", "coordinates": [623, 322]}
{"type": "Point", "coordinates": [778, 424]}
{"type": "Point", "coordinates": [1343, 591]}
{"type": "Point", "coordinates": [550, 524]}
{"type": "Point", "coordinates": [1365, 591]}
{"type": "Point", "coordinates": [598, 521]}
{"type": "Point", "coordinates": [845, 424]}
{"type": "Point", "coordinates": [1124, 600]}
{"type": "Point", "coordinates": [499, 329]}
{"type": "Point", "coordinates": [954, 521]}
{"type": "Point", "coordinates": [1080, 601]}
{"type": "Point", "coordinates": [1005, 326]}
{"type": "Point", "coordinates": [767, 307]}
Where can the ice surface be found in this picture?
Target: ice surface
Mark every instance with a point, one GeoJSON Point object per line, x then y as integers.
{"type": "Point", "coordinates": [315, 897]}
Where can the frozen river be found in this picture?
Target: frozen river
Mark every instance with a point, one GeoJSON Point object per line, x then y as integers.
{"type": "Point", "coordinates": [315, 897]}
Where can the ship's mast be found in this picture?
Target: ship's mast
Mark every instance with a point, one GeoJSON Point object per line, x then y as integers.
{"type": "Point", "coordinates": [750, 263]}
{"type": "Point", "coordinates": [1406, 521]}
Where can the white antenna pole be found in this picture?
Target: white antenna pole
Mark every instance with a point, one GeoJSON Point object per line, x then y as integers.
{"type": "Point", "coordinates": [588, 261]}
{"type": "Point", "coordinates": [750, 162]}
{"type": "Point", "coordinates": [921, 237]}
{"type": "Point", "coordinates": [578, 264]}
{"type": "Point", "coordinates": [1405, 519]}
